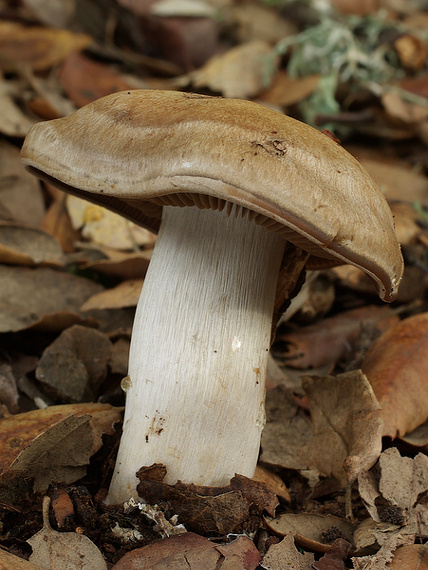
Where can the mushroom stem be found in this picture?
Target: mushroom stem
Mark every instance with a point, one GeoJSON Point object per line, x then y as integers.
{"type": "Point", "coordinates": [199, 349]}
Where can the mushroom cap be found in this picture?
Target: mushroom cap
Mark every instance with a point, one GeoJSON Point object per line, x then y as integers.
{"type": "Point", "coordinates": [135, 151]}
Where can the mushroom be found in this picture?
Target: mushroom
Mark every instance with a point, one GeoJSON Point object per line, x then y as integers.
{"type": "Point", "coordinates": [229, 185]}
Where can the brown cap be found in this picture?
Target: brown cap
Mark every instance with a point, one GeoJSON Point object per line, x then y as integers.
{"type": "Point", "coordinates": [135, 151]}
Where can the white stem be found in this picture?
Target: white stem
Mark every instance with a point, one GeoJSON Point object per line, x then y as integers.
{"type": "Point", "coordinates": [199, 351]}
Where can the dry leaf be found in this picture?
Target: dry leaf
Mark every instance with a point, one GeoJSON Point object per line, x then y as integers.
{"type": "Point", "coordinates": [13, 122]}
{"type": "Point", "coordinates": [396, 366]}
{"type": "Point", "coordinates": [38, 48]}
{"type": "Point", "coordinates": [285, 90]}
{"type": "Point", "coordinates": [207, 510]}
{"type": "Point", "coordinates": [286, 432]}
{"type": "Point", "coordinates": [126, 294]}
{"type": "Point", "coordinates": [237, 73]}
{"type": "Point", "coordinates": [253, 21]}
{"type": "Point", "coordinates": [285, 554]}
{"type": "Point", "coordinates": [331, 339]}
{"type": "Point", "coordinates": [121, 264]}
{"type": "Point", "coordinates": [22, 245]}
{"type": "Point", "coordinates": [10, 562]}
{"type": "Point", "coordinates": [412, 51]}
{"type": "Point", "coordinates": [412, 557]}
{"type": "Point", "coordinates": [347, 425]}
{"type": "Point", "coordinates": [74, 366]}
{"type": "Point", "coordinates": [309, 530]}
{"type": "Point", "coordinates": [42, 298]}
{"type": "Point", "coordinates": [63, 550]}
{"type": "Point", "coordinates": [190, 551]}
{"type": "Point", "coordinates": [396, 182]}
{"type": "Point", "coordinates": [51, 445]}
{"type": "Point", "coordinates": [334, 558]}
{"type": "Point", "coordinates": [85, 80]}
{"type": "Point", "coordinates": [106, 227]}
{"type": "Point", "coordinates": [21, 199]}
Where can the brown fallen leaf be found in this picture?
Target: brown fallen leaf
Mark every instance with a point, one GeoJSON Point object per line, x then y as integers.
{"type": "Point", "coordinates": [51, 445]}
{"type": "Point", "coordinates": [286, 432]}
{"type": "Point", "coordinates": [42, 298]}
{"type": "Point", "coordinates": [286, 554]}
{"type": "Point", "coordinates": [334, 558]}
{"type": "Point", "coordinates": [85, 80]}
{"type": "Point", "coordinates": [397, 182]}
{"type": "Point", "coordinates": [65, 550]}
{"type": "Point", "coordinates": [411, 557]}
{"type": "Point", "coordinates": [286, 90]}
{"type": "Point", "coordinates": [9, 561]}
{"type": "Point", "coordinates": [36, 47]}
{"type": "Point", "coordinates": [28, 246]}
{"type": "Point", "coordinates": [309, 530]}
{"type": "Point", "coordinates": [73, 367]}
{"type": "Point", "coordinates": [237, 73]}
{"type": "Point", "coordinates": [396, 366]}
{"type": "Point", "coordinates": [192, 552]}
{"type": "Point", "coordinates": [57, 222]}
{"type": "Point", "coordinates": [329, 340]}
{"type": "Point", "coordinates": [347, 425]}
{"type": "Point", "coordinates": [126, 294]}
{"type": "Point", "coordinates": [18, 188]}
{"type": "Point", "coordinates": [207, 510]}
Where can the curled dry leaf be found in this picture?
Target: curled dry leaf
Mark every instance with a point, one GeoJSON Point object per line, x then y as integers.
{"type": "Point", "coordinates": [310, 529]}
{"type": "Point", "coordinates": [347, 425]}
{"type": "Point", "coordinates": [65, 550]}
{"type": "Point", "coordinates": [52, 444]}
{"type": "Point", "coordinates": [42, 298]}
{"type": "Point", "coordinates": [396, 367]}
{"type": "Point", "coordinates": [22, 245]}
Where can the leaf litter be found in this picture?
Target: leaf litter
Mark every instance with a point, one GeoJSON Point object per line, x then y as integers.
{"type": "Point", "coordinates": [66, 277]}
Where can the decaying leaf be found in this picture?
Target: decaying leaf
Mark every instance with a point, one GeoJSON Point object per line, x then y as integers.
{"type": "Point", "coordinates": [192, 552]}
{"type": "Point", "coordinates": [10, 562]}
{"type": "Point", "coordinates": [65, 550]}
{"type": "Point", "coordinates": [286, 432]}
{"type": "Point", "coordinates": [73, 367]}
{"type": "Point", "coordinates": [286, 554]}
{"type": "Point", "coordinates": [207, 510]}
{"type": "Point", "coordinates": [22, 245]}
{"type": "Point", "coordinates": [311, 530]}
{"type": "Point", "coordinates": [396, 366]}
{"type": "Point", "coordinates": [327, 341]}
{"type": "Point", "coordinates": [42, 298]}
{"type": "Point", "coordinates": [52, 444]}
{"type": "Point", "coordinates": [18, 188]}
{"type": "Point", "coordinates": [347, 425]}
{"type": "Point", "coordinates": [411, 557]}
